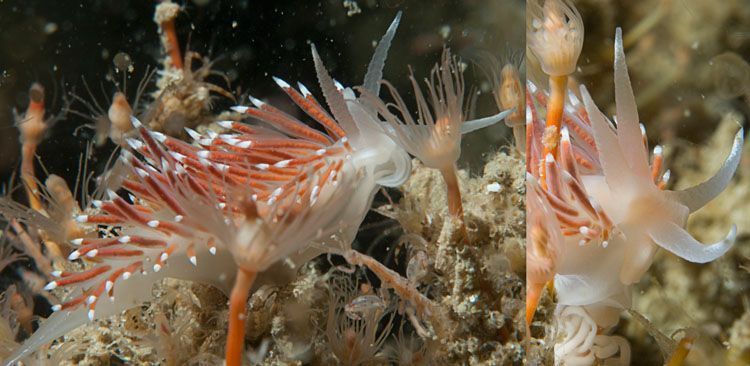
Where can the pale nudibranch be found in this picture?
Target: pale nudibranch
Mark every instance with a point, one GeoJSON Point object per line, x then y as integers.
{"type": "Point", "coordinates": [611, 209]}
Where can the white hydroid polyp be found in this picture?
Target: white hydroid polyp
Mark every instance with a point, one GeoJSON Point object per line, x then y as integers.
{"type": "Point", "coordinates": [555, 35]}
{"type": "Point", "coordinates": [434, 137]}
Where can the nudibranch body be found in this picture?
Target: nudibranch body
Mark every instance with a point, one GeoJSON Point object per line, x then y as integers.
{"type": "Point", "coordinates": [611, 212]}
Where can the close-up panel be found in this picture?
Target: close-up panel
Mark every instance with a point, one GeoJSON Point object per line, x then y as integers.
{"type": "Point", "coordinates": [206, 182]}
{"type": "Point", "coordinates": [637, 182]}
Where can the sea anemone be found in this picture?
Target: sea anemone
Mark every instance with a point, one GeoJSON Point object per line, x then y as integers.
{"type": "Point", "coordinates": [554, 32]}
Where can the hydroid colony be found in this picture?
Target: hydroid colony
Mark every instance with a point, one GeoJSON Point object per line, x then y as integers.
{"type": "Point", "coordinates": [598, 204]}
{"type": "Point", "coordinates": [248, 202]}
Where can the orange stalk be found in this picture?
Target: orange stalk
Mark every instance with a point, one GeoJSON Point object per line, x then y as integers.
{"type": "Point", "coordinates": [28, 151]}
{"type": "Point", "coordinates": [172, 45]}
{"type": "Point", "coordinates": [533, 294]}
{"type": "Point", "coordinates": [166, 13]}
{"type": "Point", "coordinates": [455, 208]}
{"type": "Point", "coordinates": [555, 105]}
{"type": "Point", "coordinates": [681, 352]}
{"type": "Point", "coordinates": [237, 316]}
{"type": "Point", "coordinates": [32, 129]}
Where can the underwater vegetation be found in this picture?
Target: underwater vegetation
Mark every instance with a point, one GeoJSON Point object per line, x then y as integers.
{"type": "Point", "coordinates": [214, 235]}
{"type": "Point", "coordinates": [600, 206]}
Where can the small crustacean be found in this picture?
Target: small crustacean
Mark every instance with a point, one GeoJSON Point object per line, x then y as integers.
{"type": "Point", "coordinates": [435, 136]}
{"type": "Point", "coordinates": [362, 304]}
{"type": "Point", "coordinates": [183, 97]}
{"type": "Point", "coordinates": [607, 205]}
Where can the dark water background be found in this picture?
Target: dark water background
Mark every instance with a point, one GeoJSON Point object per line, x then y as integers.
{"type": "Point", "coordinates": [58, 43]}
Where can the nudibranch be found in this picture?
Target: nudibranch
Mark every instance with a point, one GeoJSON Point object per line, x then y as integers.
{"type": "Point", "coordinates": [612, 212]}
{"type": "Point", "coordinates": [232, 205]}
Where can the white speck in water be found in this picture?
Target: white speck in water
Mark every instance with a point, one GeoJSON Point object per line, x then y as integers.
{"type": "Point", "coordinates": [234, 24]}
{"type": "Point", "coordinates": [445, 31]}
{"type": "Point", "coordinates": [351, 7]}
{"type": "Point", "coordinates": [50, 28]}
{"type": "Point", "coordinates": [462, 66]}
{"type": "Point", "coordinates": [123, 62]}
